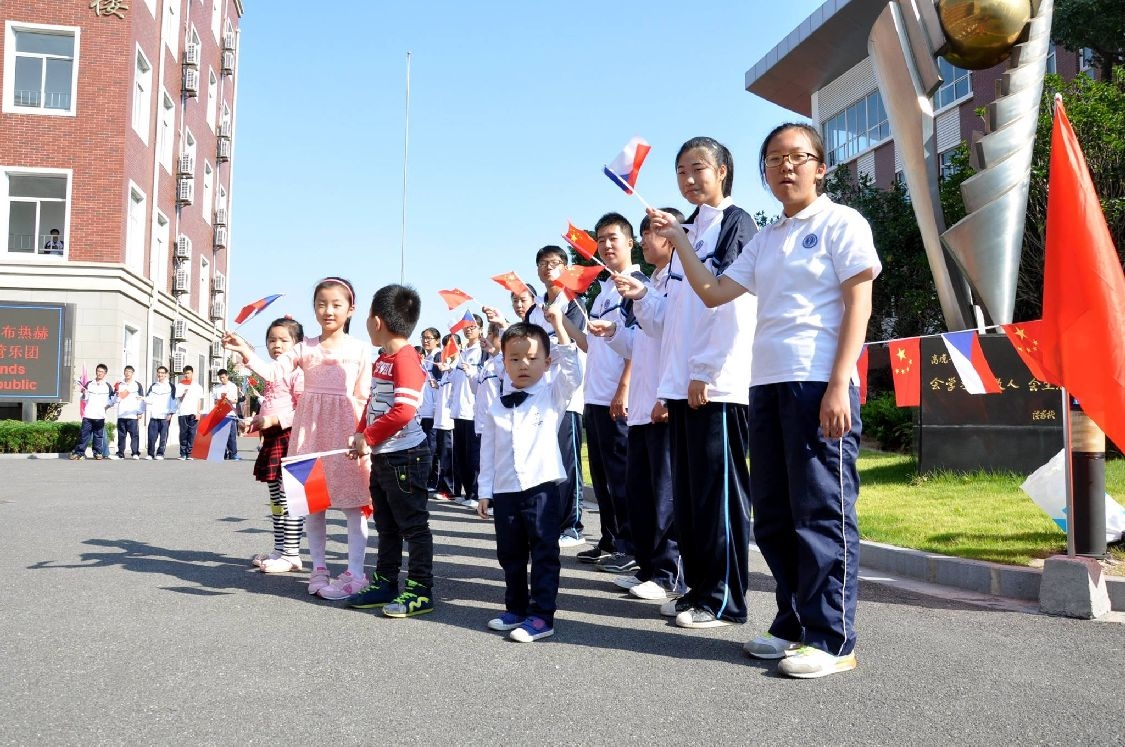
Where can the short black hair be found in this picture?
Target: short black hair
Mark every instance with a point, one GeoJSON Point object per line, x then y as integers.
{"type": "Point", "coordinates": [222, 372]}
{"type": "Point", "coordinates": [102, 367]}
{"type": "Point", "coordinates": [162, 368]}
{"type": "Point", "coordinates": [718, 152]}
{"type": "Point", "coordinates": [433, 332]}
{"type": "Point", "coordinates": [54, 231]}
{"type": "Point", "coordinates": [646, 221]}
{"type": "Point", "coordinates": [296, 331]}
{"type": "Point", "coordinates": [188, 368]}
{"type": "Point", "coordinates": [524, 331]}
{"type": "Point", "coordinates": [614, 219]}
{"type": "Point", "coordinates": [551, 250]}
{"type": "Point", "coordinates": [130, 368]}
{"type": "Point", "coordinates": [399, 306]}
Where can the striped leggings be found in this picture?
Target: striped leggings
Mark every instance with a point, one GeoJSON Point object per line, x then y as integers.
{"type": "Point", "coordinates": [286, 529]}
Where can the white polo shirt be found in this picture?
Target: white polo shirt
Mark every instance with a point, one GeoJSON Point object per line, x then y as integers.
{"type": "Point", "coordinates": [795, 267]}
{"type": "Point", "coordinates": [603, 364]}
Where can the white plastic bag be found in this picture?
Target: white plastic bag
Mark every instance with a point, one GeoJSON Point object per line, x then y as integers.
{"type": "Point", "coordinates": [1047, 487]}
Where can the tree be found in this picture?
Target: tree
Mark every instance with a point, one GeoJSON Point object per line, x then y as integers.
{"type": "Point", "coordinates": [1097, 25]}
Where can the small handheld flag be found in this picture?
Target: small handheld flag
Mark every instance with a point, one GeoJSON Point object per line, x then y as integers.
{"type": "Point", "coordinates": [83, 383]}
{"type": "Point", "coordinates": [465, 321]}
{"type": "Point", "coordinates": [454, 297]}
{"type": "Point", "coordinates": [577, 278]}
{"type": "Point", "coordinates": [251, 310]}
{"type": "Point", "coordinates": [306, 486]}
{"type": "Point", "coordinates": [582, 242]}
{"type": "Point", "coordinates": [213, 429]}
{"type": "Point", "coordinates": [449, 352]}
{"type": "Point", "coordinates": [511, 282]}
{"type": "Point", "coordinates": [624, 169]}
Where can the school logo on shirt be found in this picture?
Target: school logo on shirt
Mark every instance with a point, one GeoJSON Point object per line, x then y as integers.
{"type": "Point", "coordinates": [699, 245]}
{"type": "Point", "coordinates": [810, 241]}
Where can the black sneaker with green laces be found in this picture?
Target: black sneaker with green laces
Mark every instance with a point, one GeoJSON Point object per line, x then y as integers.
{"type": "Point", "coordinates": [415, 599]}
{"type": "Point", "coordinates": [379, 592]}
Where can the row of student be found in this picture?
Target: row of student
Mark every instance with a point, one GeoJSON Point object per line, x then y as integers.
{"type": "Point", "coordinates": [133, 405]}
{"type": "Point", "coordinates": [791, 404]}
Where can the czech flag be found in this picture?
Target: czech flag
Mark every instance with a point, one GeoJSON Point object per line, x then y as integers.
{"type": "Point", "coordinates": [624, 169]}
{"type": "Point", "coordinates": [306, 486]}
{"type": "Point", "coordinates": [211, 438]}
{"type": "Point", "coordinates": [968, 358]}
{"type": "Point", "coordinates": [511, 282]}
{"type": "Point", "coordinates": [575, 279]}
{"type": "Point", "coordinates": [582, 242]}
{"type": "Point", "coordinates": [251, 310]}
{"type": "Point", "coordinates": [465, 321]}
{"type": "Point", "coordinates": [454, 298]}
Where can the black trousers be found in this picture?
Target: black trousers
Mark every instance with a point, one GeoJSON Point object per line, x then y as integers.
{"type": "Point", "coordinates": [527, 529]}
{"type": "Point", "coordinates": [398, 494]}
{"type": "Point", "coordinates": [649, 489]}
{"type": "Point", "coordinates": [466, 457]}
{"type": "Point", "coordinates": [127, 428]}
{"type": "Point", "coordinates": [570, 489]}
{"type": "Point", "coordinates": [607, 443]}
{"type": "Point", "coordinates": [711, 503]}
{"type": "Point", "coordinates": [443, 459]}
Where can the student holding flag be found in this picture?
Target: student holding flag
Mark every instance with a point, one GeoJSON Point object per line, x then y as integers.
{"type": "Point", "coordinates": [812, 271]}
{"type": "Point", "coordinates": [705, 384]}
{"type": "Point", "coordinates": [337, 371]}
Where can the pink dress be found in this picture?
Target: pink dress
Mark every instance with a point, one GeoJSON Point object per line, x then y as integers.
{"type": "Point", "coordinates": [337, 386]}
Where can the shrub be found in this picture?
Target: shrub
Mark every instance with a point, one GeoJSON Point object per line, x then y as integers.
{"type": "Point", "coordinates": [17, 437]}
{"type": "Point", "coordinates": [887, 423]}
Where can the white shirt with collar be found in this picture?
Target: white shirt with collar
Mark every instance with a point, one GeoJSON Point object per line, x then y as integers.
{"type": "Point", "coordinates": [643, 349]}
{"type": "Point", "coordinates": [795, 267]}
{"type": "Point", "coordinates": [603, 364]}
{"type": "Point", "coordinates": [519, 446]}
{"type": "Point", "coordinates": [230, 389]}
{"type": "Point", "coordinates": [190, 398]}
{"type": "Point", "coordinates": [536, 316]}
{"type": "Point", "coordinates": [461, 396]}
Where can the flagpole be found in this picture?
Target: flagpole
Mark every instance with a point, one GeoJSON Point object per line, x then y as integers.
{"type": "Point", "coordinates": [405, 159]}
{"type": "Point", "coordinates": [314, 455]}
{"type": "Point", "coordinates": [625, 186]}
{"type": "Point", "coordinates": [1068, 474]}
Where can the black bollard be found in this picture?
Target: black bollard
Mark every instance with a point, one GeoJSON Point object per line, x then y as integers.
{"type": "Point", "coordinates": [1087, 470]}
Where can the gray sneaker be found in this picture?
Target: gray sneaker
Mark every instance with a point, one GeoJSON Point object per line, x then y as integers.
{"type": "Point", "coordinates": [700, 618]}
{"type": "Point", "coordinates": [618, 562]}
{"type": "Point", "coordinates": [768, 646]}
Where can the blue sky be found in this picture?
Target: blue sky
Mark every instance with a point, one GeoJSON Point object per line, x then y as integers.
{"type": "Point", "coordinates": [515, 107]}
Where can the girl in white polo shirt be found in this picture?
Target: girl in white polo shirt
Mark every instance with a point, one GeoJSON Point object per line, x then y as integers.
{"type": "Point", "coordinates": [812, 271]}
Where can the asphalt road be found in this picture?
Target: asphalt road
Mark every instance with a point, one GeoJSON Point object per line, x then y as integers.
{"type": "Point", "coordinates": [131, 615]}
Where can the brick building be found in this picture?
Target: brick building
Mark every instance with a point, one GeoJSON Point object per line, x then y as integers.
{"type": "Point", "coordinates": [821, 70]}
{"type": "Point", "coordinates": [116, 132]}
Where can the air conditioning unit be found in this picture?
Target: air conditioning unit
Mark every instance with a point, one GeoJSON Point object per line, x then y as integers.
{"type": "Point", "coordinates": [185, 190]}
{"type": "Point", "coordinates": [220, 216]}
{"type": "Point", "coordinates": [181, 280]}
{"type": "Point", "coordinates": [218, 309]}
{"type": "Point", "coordinates": [222, 236]}
{"type": "Point", "coordinates": [224, 128]}
{"type": "Point", "coordinates": [179, 329]}
{"type": "Point", "coordinates": [191, 82]}
{"type": "Point", "coordinates": [228, 62]}
{"type": "Point", "coordinates": [228, 40]}
{"type": "Point", "coordinates": [183, 247]}
{"type": "Point", "coordinates": [223, 153]}
{"type": "Point", "coordinates": [187, 164]}
{"type": "Point", "coordinates": [179, 360]}
{"type": "Point", "coordinates": [191, 55]}
{"type": "Point", "coordinates": [217, 351]}
{"type": "Point", "coordinates": [219, 283]}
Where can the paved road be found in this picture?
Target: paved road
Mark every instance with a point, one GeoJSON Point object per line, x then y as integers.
{"type": "Point", "coordinates": [130, 615]}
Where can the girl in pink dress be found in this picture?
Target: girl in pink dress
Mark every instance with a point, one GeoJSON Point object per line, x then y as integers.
{"type": "Point", "coordinates": [337, 371]}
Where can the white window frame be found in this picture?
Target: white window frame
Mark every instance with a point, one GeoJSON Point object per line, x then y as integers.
{"type": "Point", "coordinates": [216, 17]}
{"type": "Point", "coordinates": [142, 95]}
{"type": "Point", "coordinates": [166, 130]}
{"type": "Point", "coordinates": [161, 249]}
{"type": "Point", "coordinates": [9, 104]}
{"type": "Point", "coordinates": [190, 145]}
{"type": "Point", "coordinates": [130, 347]}
{"type": "Point", "coordinates": [204, 287]}
{"type": "Point", "coordinates": [5, 213]}
{"type": "Point", "coordinates": [208, 190]}
{"type": "Point", "coordinates": [212, 97]}
{"type": "Point", "coordinates": [136, 219]}
{"type": "Point", "coordinates": [952, 75]}
{"type": "Point", "coordinates": [873, 133]}
{"type": "Point", "coordinates": [157, 359]}
{"type": "Point", "coordinates": [170, 28]}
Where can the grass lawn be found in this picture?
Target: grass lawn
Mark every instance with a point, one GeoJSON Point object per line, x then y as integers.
{"type": "Point", "coordinates": [981, 516]}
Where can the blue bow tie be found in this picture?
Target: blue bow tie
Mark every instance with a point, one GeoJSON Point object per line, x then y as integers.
{"type": "Point", "coordinates": [513, 399]}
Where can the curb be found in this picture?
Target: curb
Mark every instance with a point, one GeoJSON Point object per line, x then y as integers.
{"type": "Point", "coordinates": [996, 579]}
{"type": "Point", "coordinates": [37, 455]}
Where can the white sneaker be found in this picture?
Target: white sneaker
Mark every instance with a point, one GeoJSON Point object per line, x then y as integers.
{"type": "Point", "coordinates": [281, 564]}
{"type": "Point", "coordinates": [569, 540]}
{"type": "Point", "coordinates": [461, 500]}
{"type": "Point", "coordinates": [809, 663]}
{"type": "Point", "coordinates": [148, 458]}
{"type": "Point", "coordinates": [160, 459]}
{"type": "Point", "coordinates": [627, 581]}
{"type": "Point", "coordinates": [649, 590]}
{"type": "Point", "coordinates": [136, 456]}
{"type": "Point", "coordinates": [114, 456]}
{"type": "Point", "coordinates": [768, 646]}
{"type": "Point", "coordinates": [471, 503]}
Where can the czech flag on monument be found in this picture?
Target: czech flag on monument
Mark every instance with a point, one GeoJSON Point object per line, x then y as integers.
{"type": "Point", "coordinates": [968, 358]}
{"type": "Point", "coordinates": [306, 486]}
{"type": "Point", "coordinates": [624, 169]}
{"type": "Point", "coordinates": [211, 438]}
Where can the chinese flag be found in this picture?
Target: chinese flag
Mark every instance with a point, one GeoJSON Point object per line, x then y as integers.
{"type": "Point", "coordinates": [582, 242]}
{"type": "Point", "coordinates": [1024, 337]}
{"type": "Point", "coordinates": [449, 352]}
{"type": "Point", "coordinates": [454, 298]}
{"type": "Point", "coordinates": [861, 367]}
{"type": "Point", "coordinates": [577, 278]}
{"type": "Point", "coordinates": [906, 368]}
{"type": "Point", "coordinates": [1083, 289]}
{"type": "Point", "coordinates": [512, 283]}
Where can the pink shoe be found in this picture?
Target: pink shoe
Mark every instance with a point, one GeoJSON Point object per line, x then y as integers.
{"type": "Point", "coordinates": [342, 587]}
{"type": "Point", "coordinates": [318, 580]}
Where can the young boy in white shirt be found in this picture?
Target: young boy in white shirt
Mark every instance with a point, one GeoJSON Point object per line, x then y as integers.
{"type": "Point", "coordinates": [521, 468]}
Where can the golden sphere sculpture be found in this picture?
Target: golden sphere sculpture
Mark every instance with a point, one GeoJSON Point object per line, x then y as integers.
{"type": "Point", "coordinates": [981, 33]}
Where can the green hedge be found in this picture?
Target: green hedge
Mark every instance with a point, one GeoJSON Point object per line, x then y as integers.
{"type": "Point", "coordinates": [888, 424]}
{"type": "Point", "coordinates": [17, 437]}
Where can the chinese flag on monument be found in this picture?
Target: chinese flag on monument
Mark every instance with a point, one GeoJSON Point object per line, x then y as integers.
{"type": "Point", "coordinates": [906, 368]}
{"type": "Point", "coordinates": [1024, 337]}
{"type": "Point", "coordinates": [861, 367]}
{"type": "Point", "coordinates": [1080, 339]}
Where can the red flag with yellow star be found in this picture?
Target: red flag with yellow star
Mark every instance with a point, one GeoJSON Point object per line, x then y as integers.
{"type": "Point", "coordinates": [582, 242]}
{"type": "Point", "coordinates": [1024, 337]}
{"type": "Point", "coordinates": [512, 283]}
{"type": "Point", "coordinates": [454, 297]}
{"type": "Point", "coordinates": [575, 279]}
{"type": "Point", "coordinates": [906, 368]}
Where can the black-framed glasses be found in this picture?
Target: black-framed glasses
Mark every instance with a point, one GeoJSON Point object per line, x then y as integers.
{"type": "Point", "coordinates": [548, 264]}
{"type": "Point", "coordinates": [773, 160]}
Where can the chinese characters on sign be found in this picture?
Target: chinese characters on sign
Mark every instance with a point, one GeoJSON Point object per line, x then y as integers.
{"type": "Point", "coordinates": [31, 345]}
{"type": "Point", "coordinates": [109, 8]}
